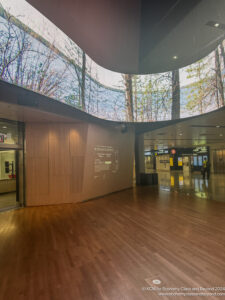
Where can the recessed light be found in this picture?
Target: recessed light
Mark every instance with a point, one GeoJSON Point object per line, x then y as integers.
{"type": "Point", "coordinates": [175, 57]}
{"type": "Point", "coordinates": [156, 281]}
{"type": "Point", "coordinates": [180, 133]}
{"type": "Point", "coordinates": [4, 127]}
{"type": "Point", "coordinates": [217, 126]}
{"type": "Point", "coordinates": [214, 24]}
{"type": "Point", "coordinates": [221, 134]}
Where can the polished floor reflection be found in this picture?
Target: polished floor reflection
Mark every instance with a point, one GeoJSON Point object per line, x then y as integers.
{"type": "Point", "coordinates": [8, 200]}
{"type": "Point", "coordinates": [193, 184]}
{"type": "Point", "coordinates": [113, 248]}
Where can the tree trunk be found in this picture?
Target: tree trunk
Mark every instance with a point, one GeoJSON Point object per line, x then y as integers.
{"type": "Point", "coordinates": [175, 95]}
{"type": "Point", "coordinates": [222, 53]}
{"type": "Point", "coordinates": [217, 95]}
{"type": "Point", "coordinates": [129, 96]}
{"type": "Point", "coordinates": [83, 81]}
{"type": "Point", "coordinates": [151, 108]}
{"type": "Point", "coordinates": [135, 97]}
{"type": "Point", "coordinates": [219, 77]}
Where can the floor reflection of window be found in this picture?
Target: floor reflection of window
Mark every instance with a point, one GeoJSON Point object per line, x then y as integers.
{"type": "Point", "coordinates": [181, 180]}
{"type": "Point", "coordinates": [196, 184]}
{"type": "Point", "coordinates": [172, 180]}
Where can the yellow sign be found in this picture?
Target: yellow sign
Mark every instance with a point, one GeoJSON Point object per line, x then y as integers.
{"type": "Point", "coordinates": [171, 161]}
{"type": "Point", "coordinates": [180, 163]}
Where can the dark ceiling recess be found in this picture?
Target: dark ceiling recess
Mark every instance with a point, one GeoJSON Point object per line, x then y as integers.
{"type": "Point", "coordinates": [159, 19]}
{"type": "Point", "coordinates": [215, 25]}
{"type": "Point", "coordinates": [139, 36]}
{"type": "Point", "coordinates": [207, 126]}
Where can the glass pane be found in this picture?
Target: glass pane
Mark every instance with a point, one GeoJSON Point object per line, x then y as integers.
{"type": "Point", "coordinates": [195, 161]}
{"type": "Point", "coordinates": [8, 179]}
{"type": "Point", "coordinates": [9, 133]}
{"type": "Point", "coordinates": [200, 161]}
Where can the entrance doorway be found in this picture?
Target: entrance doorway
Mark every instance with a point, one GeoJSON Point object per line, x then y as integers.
{"type": "Point", "coordinates": [8, 179]}
{"type": "Point", "coordinates": [12, 184]}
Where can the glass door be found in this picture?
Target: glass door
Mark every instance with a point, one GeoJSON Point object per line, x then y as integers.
{"type": "Point", "coordinates": [8, 179]}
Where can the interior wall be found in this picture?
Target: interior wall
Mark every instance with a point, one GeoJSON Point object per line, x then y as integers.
{"type": "Point", "coordinates": [62, 162]}
{"type": "Point", "coordinates": [218, 161]}
{"type": "Point", "coordinates": [213, 156]}
{"type": "Point", "coordinates": [119, 176]}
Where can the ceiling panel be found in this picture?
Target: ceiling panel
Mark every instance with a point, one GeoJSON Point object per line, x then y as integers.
{"type": "Point", "coordinates": [205, 130]}
{"type": "Point", "coordinates": [139, 36]}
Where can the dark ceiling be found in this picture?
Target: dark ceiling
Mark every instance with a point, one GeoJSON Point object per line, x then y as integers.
{"type": "Point", "coordinates": [139, 36]}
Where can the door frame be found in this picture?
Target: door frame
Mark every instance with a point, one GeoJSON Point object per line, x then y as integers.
{"type": "Point", "coordinates": [19, 147]}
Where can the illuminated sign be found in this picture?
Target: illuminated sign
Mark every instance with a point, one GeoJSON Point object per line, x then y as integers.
{"type": "Point", "coordinates": [163, 151]}
{"type": "Point", "coordinates": [106, 161]}
{"type": "Point", "coordinates": [200, 150]}
{"type": "Point", "coordinates": [148, 153]}
{"type": "Point", "coordinates": [164, 161]}
{"type": "Point", "coordinates": [156, 152]}
{"type": "Point", "coordinates": [180, 162]}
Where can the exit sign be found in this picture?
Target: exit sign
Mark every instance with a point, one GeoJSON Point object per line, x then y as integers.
{"type": "Point", "coordinates": [1, 138]}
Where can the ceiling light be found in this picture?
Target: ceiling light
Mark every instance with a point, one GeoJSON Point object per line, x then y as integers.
{"type": "Point", "coordinates": [4, 127]}
{"type": "Point", "coordinates": [217, 126]}
{"type": "Point", "coordinates": [216, 25]}
{"type": "Point", "coordinates": [180, 133]}
{"type": "Point", "coordinates": [221, 134]}
{"type": "Point", "coordinates": [175, 57]}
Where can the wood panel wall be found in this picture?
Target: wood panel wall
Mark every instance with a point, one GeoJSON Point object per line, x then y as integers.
{"type": "Point", "coordinates": [60, 162]}
{"type": "Point", "coordinates": [55, 155]}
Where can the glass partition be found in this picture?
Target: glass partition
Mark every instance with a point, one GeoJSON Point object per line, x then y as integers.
{"type": "Point", "coordinates": [9, 133]}
{"type": "Point", "coordinates": [11, 165]}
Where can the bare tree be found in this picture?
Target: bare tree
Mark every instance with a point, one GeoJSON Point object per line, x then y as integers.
{"type": "Point", "coordinates": [83, 81]}
{"type": "Point", "coordinates": [129, 96]}
{"type": "Point", "coordinates": [25, 62]}
{"type": "Point", "coordinates": [222, 53]}
{"type": "Point", "coordinates": [13, 45]}
{"type": "Point", "coordinates": [135, 97]}
{"type": "Point", "coordinates": [175, 114]}
{"type": "Point", "coordinates": [219, 80]}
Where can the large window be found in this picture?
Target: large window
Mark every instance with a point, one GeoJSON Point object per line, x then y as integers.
{"type": "Point", "coordinates": [48, 62]}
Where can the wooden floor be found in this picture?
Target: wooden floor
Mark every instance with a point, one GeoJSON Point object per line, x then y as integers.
{"type": "Point", "coordinates": [8, 200]}
{"type": "Point", "coordinates": [113, 247]}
